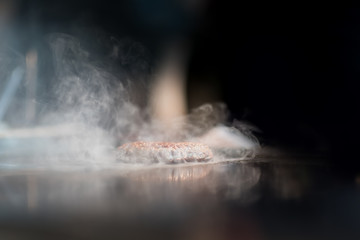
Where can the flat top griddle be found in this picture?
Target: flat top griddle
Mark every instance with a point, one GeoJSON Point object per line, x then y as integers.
{"type": "Point", "coordinates": [273, 197]}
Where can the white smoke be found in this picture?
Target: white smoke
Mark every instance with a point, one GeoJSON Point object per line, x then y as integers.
{"type": "Point", "coordinates": [88, 112]}
{"type": "Point", "coordinates": [92, 104]}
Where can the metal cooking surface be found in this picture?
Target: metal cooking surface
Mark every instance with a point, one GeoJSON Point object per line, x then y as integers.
{"type": "Point", "coordinates": [215, 201]}
{"type": "Point", "coordinates": [123, 188]}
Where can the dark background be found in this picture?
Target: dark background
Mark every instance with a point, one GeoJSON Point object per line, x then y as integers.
{"type": "Point", "coordinates": [290, 69]}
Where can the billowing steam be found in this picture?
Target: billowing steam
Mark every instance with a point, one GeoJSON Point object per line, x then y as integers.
{"type": "Point", "coordinates": [87, 111]}
{"type": "Point", "coordinates": [91, 102]}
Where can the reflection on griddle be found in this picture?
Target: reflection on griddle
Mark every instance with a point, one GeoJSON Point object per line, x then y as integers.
{"type": "Point", "coordinates": [104, 191]}
{"type": "Point", "coordinates": [201, 201]}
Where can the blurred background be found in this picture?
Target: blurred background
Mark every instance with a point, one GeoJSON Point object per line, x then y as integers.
{"type": "Point", "coordinates": [289, 69]}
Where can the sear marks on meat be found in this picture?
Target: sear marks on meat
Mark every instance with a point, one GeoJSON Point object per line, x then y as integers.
{"type": "Point", "coordinates": [167, 152]}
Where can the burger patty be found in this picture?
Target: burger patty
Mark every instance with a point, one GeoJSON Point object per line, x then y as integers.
{"type": "Point", "coordinates": [168, 152]}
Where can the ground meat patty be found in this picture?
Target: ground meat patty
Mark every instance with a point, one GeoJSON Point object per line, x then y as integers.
{"type": "Point", "coordinates": [168, 152]}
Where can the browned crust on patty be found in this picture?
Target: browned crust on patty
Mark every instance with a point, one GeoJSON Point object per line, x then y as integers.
{"type": "Point", "coordinates": [169, 152]}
